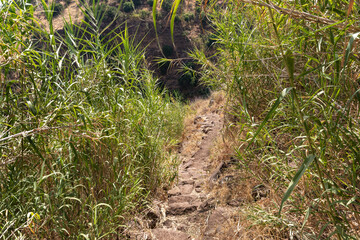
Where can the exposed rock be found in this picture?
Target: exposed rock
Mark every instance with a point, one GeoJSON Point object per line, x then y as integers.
{"type": "Point", "coordinates": [207, 205]}
{"type": "Point", "coordinates": [168, 234]}
{"type": "Point", "coordinates": [181, 198]}
{"type": "Point", "coordinates": [217, 171]}
{"type": "Point", "coordinates": [181, 227]}
{"type": "Point", "coordinates": [260, 191]}
{"type": "Point", "coordinates": [188, 164]}
{"type": "Point", "coordinates": [180, 208]}
{"type": "Point", "coordinates": [187, 181]}
{"type": "Point", "coordinates": [174, 191]}
{"type": "Point", "coordinates": [186, 189]}
{"type": "Point", "coordinates": [215, 223]}
{"type": "Point", "coordinates": [168, 223]}
{"type": "Point", "coordinates": [235, 202]}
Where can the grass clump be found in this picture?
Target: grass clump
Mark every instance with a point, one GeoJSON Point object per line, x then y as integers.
{"type": "Point", "coordinates": [85, 133]}
{"type": "Point", "coordinates": [188, 16]}
{"type": "Point", "coordinates": [128, 7]}
{"type": "Point", "coordinates": [144, 14]}
{"type": "Point", "coordinates": [166, 6]}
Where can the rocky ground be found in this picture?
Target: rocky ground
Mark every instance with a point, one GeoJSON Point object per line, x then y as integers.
{"type": "Point", "coordinates": [204, 204]}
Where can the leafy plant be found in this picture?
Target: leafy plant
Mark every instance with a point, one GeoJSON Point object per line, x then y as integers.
{"type": "Point", "coordinates": [188, 16]}
{"type": "Point", "coordinates": [128, 7]}
{"type": "Point", "coordinates": [83, 127]}
{"type": "Point", "coordinates": [290, 90]}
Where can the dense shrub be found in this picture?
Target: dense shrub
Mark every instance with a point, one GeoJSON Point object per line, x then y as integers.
{"type": "Point", "coordinates": [188, 16]}
{"type": "Point", "coordinates": [293, 104]}
{"type": "Point", "coordinates": [83, 143]}
{"type": "Point", "coordinates": [203, 18]}
{"type": "Point", "coordinates": [128, 7]}
{"type": "Point", "coordinates": [166, 5]}
{"type": "Point", "coordinates": [144, 14]}
{"type": "Point", "coordinates": [110, 13]}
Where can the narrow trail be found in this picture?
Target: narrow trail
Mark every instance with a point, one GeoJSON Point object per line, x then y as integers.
{"type": "Point", "coordinates": [191, 209]}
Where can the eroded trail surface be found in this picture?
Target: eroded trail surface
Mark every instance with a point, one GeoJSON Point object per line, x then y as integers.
{"type": "Point", "coordinates": [191, 210]}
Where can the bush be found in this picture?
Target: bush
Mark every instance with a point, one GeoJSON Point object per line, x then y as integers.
{"type": "Point", "coordinates": [101, 134]}
{"type": "Point", "coordinates": [166, 5]}
{"type": "Point", "coordinates": [203, 18]}
{"type": "Point", "coordinates": [167, 50]}
{"type": "Point", "coordinates": [110, 13]}
{"type": "Point", "coordinates": [58, 8]}
{"type": "Point", "coordinates": [188, 17]}
{"type": "Point", "coordinates": [128, 7]}
{"type": "Point", "coordinates": [144, 14]}
{"type": "Point", "coordinates": [198, 10]}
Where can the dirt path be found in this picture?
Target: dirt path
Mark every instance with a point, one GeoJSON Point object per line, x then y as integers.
{"type": "Point", "coordinates": [192, 210]}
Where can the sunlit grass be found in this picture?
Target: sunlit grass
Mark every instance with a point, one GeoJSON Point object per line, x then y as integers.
{"type": "Point", "coordinates": [85, 132]}
{"type": "Point", "coordinates": [292, 88]}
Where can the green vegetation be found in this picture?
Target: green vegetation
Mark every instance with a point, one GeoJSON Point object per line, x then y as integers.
{"type": "Point", "coordinates": [58, 9]}
{"type": "Point", "coordinates": [144, 14]}
{"type": "Point", "coordinates": [188, 16]}
{"type": "Point", "coordinates": [290, 70]}
{"type": "Point", "coordinates": [128, 7]}
{"type": "Point", "coordinates": [166, 5]}
{"type": "Point", "coordinates": [85, 134]}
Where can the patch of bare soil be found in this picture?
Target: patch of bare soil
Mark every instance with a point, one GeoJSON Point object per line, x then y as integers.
{"type": "Point", "coordinates": [203, 204]}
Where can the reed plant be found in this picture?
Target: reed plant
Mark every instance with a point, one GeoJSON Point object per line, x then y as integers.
{"type": "Point", "coordinates": [290, 69]}
{"type": "Point", "coordinates": [86, 134]}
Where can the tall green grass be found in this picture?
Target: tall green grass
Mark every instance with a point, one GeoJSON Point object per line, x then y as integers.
{"type": "Point", "coordinates": [85, 133]}
{"type": "Point", "coordinates": [293, 90]}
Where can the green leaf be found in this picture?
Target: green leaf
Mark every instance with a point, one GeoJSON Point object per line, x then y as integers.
{"type": "Point", "coordinates": [349, 47]}
{"type": "Point", "coordinates": [290, 63]}
{"type": "Point", "coordinates": [270, 113]}
{"type": "Point", "coordinates": [307, 162]}
{"type": "Point", "coordinates": [173, 15]}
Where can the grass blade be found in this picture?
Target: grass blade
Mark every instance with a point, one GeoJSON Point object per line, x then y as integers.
{"type": "Point", "coordinates": [307, 162]}
{"type": "Point", "coordinates": [283, 94]}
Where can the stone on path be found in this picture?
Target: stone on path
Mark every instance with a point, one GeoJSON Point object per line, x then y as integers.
{"type": "Point", "coordinates": [181, 208]}
{"type": "Point", "coordinates": [168, 234]}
